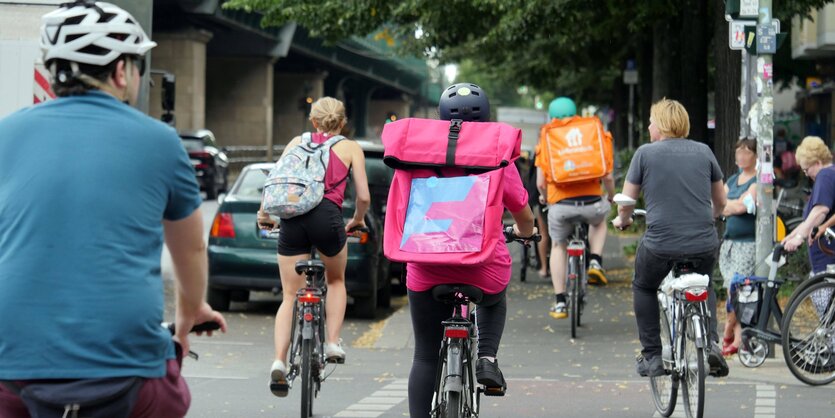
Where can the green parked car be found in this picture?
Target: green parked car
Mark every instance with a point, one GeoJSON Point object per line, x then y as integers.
{"type": "Point", "coordinates": [242, 259]}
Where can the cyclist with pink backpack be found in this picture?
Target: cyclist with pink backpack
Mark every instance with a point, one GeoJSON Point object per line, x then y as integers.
{"type": "Point", "coordinates": [453, 180]}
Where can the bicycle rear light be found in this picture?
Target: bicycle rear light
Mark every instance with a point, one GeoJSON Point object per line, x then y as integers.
{"type": "Point", "coordinates": [456, 332]}
{"type": "Point", "coordinates": [575, 251]}
{"type": "Point", "coordinates": [695, 295]}
{"type": "Point", "coordinates": [309, 298]}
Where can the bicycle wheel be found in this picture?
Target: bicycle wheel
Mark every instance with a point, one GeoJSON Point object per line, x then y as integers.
{"type": "Point", "coordinates": [665, 388]}
{"type": "Point", "coordinates": [694, 371]}
{"type": "Point", "coordinates": [573, 306]}
{"type": "Point", "coordinates": [523, 270]}
{"type": "Point", "coordinates": [307, 378]}
{"type": "Point", "coordinates": [808, 339]}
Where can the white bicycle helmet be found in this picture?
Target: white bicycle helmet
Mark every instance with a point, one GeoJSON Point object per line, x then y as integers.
{"type": "Point", "coordinates": [92, 33]}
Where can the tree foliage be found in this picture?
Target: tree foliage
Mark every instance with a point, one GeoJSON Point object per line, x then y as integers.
{"type": "Point", "coordinates": [575, 47]}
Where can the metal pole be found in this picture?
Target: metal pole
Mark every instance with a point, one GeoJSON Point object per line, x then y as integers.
{"type": "Point", "coordinates": [765, 140]}
{"type": "Point", "coordinates": [744, 96]}
{"type": "Point", "coordinates": [631, 116]}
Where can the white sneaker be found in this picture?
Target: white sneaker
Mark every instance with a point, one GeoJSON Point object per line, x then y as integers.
{"type": "Point", "coordinates": [334, 352]}
{"type": "Point", "coordinates": [278, 379]}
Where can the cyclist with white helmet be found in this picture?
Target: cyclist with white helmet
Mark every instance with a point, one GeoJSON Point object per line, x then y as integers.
{"type": "Point", "coordinates": [89, 188]}
{"type": "Point", "coordinates": [566, 202]}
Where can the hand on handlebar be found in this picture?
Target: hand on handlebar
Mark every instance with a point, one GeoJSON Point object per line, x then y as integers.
{"type": "Point", "coordinates": [354, 225]}
{"type": "Point", "coordinates": [184, 323]}
{"type": "Point", "coordinates": [265, 221]}
{"type": "Point", "coordinates": [620, 224]}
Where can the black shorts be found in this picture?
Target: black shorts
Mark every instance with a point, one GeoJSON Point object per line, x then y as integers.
{"type": "Point", "coordinates": [322, 227]}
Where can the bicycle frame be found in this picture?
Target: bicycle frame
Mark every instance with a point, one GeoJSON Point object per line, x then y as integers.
{"type": "Point", "coordinates": [454, 380]}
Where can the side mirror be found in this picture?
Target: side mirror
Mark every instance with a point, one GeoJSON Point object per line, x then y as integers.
{"type": "Point", "coordinates": [220, 198]}
{"type": "Point", "coordinates": [624, 200]}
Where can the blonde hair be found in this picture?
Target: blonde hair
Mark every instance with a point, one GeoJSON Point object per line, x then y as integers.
{"type": "Point", "coordinates": [812, 150]}
{"type": "Point", "coordinates": [328, 113]}
{"type": "Point", "coordinates": [671, 118]}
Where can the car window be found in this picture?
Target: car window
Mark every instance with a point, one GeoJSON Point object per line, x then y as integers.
{"type": "Point", "coordinates": [207, 140]}
{"type": "Point", "coordinates": [251, 184]}
{"type": "Point", "coordinates": [192, 144]}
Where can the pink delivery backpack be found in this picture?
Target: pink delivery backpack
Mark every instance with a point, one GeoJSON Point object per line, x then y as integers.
{"type": "Point", "coordinates": [445, 202]}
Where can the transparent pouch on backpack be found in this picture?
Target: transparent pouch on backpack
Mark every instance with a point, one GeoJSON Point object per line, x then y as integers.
{"type": "Point", "coordinates": [446, 214]}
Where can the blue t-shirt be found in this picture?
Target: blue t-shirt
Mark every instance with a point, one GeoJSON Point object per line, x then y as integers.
{"type": "Point", "coordinates": [85, 183]}
{"type": "Point", "coordinates": [823, 193]}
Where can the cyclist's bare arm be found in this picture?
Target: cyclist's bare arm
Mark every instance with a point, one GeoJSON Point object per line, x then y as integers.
{"type": "Point", "coordinates": [735, 206]}
{"type": "Point", "coordinates": [624, 218]}
{"type": "Point", "coordinates": [184, 238]}
{"type": "Point", "coordinates": [609, 184]}
{"type": "Point", "coordinates": [799, 235]}
{"type": "Point", "coordinates": [718, 197]}
{"type": "Point", "coordinates": [363, 195]}
{"type": "Point", "coordinates": [826, 225]}
{"type": "Point", "coordinates": [524, 222]}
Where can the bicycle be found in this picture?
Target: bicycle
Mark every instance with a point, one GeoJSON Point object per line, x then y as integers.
{"type": "Point", "coordinates": [683, 315]}
{"type": "Point", "coordinates": [307, 349]}
{"type": "Point", "coordinates": [576, 273]}
{"type": "Point", "coordinates": [809, 329]}
{"type": "Point", "coordinates": [530, 258]}
{"type": "Point", "coordinates": [455, 393]}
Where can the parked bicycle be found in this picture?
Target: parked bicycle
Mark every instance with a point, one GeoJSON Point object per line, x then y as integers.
{"type": "Point", "coordinates": [809, 328]}
{"type": "Point", "coordinates": [684, 314]}
{"type": "Point", "coordinates": [456, 392]}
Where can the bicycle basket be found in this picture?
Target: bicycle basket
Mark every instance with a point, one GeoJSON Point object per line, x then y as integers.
{"type": "Point", "coordinates": [746, 298]}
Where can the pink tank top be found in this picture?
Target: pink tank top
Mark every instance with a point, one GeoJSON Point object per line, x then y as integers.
{"type": "Point", "coordinates": [336, 175]}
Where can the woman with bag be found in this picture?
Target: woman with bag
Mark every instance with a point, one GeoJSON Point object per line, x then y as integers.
{"type": "Point", "coordinates": [324, 228]}
{"type": "Point", "coordinates": [737, 252]}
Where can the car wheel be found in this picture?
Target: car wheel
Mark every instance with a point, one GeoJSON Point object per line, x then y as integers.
{"type": "Point", "coordinates": [218, 299]}
{"type": "Point", "coordinates": [366, 307]}
{"type": "Point", "coordinates": [384, 293]}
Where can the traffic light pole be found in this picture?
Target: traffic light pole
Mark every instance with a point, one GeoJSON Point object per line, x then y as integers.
{"type": "Point", "coordinates": [766, 46]}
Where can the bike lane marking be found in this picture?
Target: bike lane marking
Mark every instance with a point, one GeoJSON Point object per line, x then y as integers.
{"type": "Point", "coordinates": [378, 402]}
{"type": "Point", "coordinates": [766, 403]}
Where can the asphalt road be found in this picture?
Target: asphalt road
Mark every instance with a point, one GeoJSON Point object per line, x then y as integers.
{"type": "Point", "coordinates": [548, 373]}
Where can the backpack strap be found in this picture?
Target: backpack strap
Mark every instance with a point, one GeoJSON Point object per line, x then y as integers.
{"type": "Point", "coordinates": [452, 143]}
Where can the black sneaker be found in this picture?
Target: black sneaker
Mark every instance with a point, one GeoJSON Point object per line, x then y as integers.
{"type": "Point", "coordinates": [488, 374]}
{"type": "Point", "coordinates": [717, 363]}
{"type": "Point", "coordinates": [653, 367]}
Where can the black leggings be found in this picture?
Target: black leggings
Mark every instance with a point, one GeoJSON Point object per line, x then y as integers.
{"type": "Point", "coordinates": [650, 270]}
{"type": "Point", "coordinates": [427, 315]}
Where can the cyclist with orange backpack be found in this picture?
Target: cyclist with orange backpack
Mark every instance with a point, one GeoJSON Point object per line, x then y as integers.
{"type": "Point", "coordinates": [574, 155]}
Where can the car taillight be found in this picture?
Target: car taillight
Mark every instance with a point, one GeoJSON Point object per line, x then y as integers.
{"type": "Point", "coordinates": [695, 295]}
{"type": "Point", "coordinates": [456, 332]}
{"type": "Point", "coordinates": [575, 251]}
{"type": "Point", "coordinates": [223, 227]}
{"type": "Point", "coordinates": [309, 298]}
{"type": "Point", "coordinates": [201, 155]}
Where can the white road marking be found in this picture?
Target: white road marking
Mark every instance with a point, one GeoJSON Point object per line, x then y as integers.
{"type": "Point", "coordinates": [379, 402]}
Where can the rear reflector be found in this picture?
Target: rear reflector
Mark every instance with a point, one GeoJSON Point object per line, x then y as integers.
{"type": "Point", "coordinates": [575, 251]}
{"type": "Point", "coordinates": [695, 295]}
{"type": "Point", "coordinates": [223, 227]}
{"type": "Point", "coordinates": [309, 298]}
{"type": "Point", "coordinates": [456, 332]}
{"type": "Point", "coordinates": [308, 317]}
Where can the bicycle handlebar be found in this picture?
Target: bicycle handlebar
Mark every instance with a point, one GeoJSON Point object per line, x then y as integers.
{"type": "Point", "coordinates": [509, 236]}
{"type": "Point", "coordinates": [830, 234]}
{"type": "Point", "coordinates": [204, 327]}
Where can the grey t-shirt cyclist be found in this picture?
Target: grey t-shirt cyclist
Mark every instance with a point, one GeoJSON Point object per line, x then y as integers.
{"type": "Point", "coordinates": [675, 176]}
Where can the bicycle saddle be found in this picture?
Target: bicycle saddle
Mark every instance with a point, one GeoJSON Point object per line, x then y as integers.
{"type": "Point", "coordinates": [310, 267]}
{"type": "Point", "coordinates": [448, 293]}
{"type": "Point", "coordinates": [685, 266]}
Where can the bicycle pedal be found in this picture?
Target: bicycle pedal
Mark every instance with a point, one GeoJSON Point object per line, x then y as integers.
{"type": "Point", "coordinates": [494, 391]}
{"type": "Point", "coordinates": [280, 389]}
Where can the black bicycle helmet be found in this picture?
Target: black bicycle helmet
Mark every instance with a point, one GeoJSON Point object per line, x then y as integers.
{"type": "Point", "coordinates": [465, 101]}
